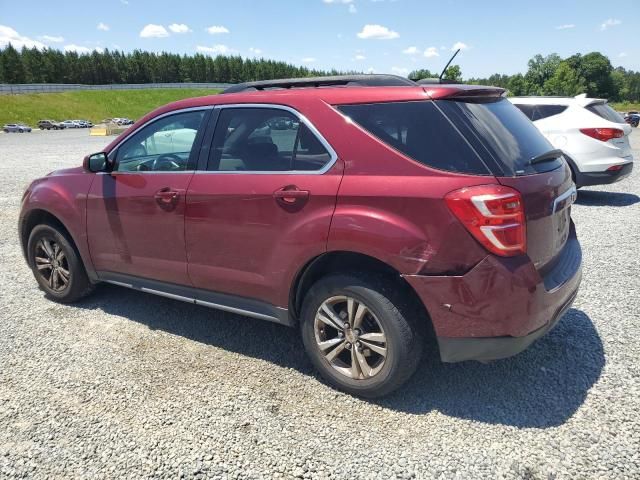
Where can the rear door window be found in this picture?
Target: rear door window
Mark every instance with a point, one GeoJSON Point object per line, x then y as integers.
{"type": "Point", "coordinates": [420, 131]}
{"type": "Point", "coordinates": [528, 110]}
{"type": "Point", "coordinates": [605, 111]}
{"type": "Point", "coordinates": [545, 111]}
{"type": "Point", "coordinates": [504, 139]}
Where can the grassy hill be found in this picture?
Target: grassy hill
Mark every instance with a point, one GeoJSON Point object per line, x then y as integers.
{"type": "Point", "coordinates": [93, 105]}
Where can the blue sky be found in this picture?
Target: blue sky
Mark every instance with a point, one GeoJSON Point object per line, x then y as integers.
{"type": "Point", "coordinates": [385, 36]}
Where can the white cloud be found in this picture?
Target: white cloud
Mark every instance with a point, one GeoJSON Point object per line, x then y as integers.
{"type": "Point", "coordinates": [52, 39]}
{"type": "Point", "coordinates": [565, 26]}
{"type": "Point", "coordinates": [215, 50]}
{"type": "Point", "coordinates": [377, 32]}
{"type": "Point", "coordinates": [103, 26]}
{"type": "Point", "coordinates": [611, 22]}
{"type": "Point", "coordinates": [9, 35]}
{"type": "Point", "coordinates": [459, 45]}
{"type": "Point", "coordinates": [371, 70]}
{"type": "Point", "coordinates": [153, 31]}
{"type": "Point", "coordinates": [352, 8]}
{"type": "Point", "coordinates": [411, 51]}
{"type": "Point", "coordinates": [359, 57]}
{"type": "Point", "coordinates": [124, 2]}
{"type": "Point", "coordinates": [431, 52]}
{"type": "Point", "coordinates": [308, 59]}
{"type": "Point", "coordinates": [622, 54]}
{"type": "Point", "coordinates": [80, 49]}
{"type": "Point", "coordinates": [179, 28]}
{"type": "Point", "coordinates": [255, 51]}
{"type": "Point", "coordinates": [400, 71]}
{"type": "Point", "coordinates": [217, 29]}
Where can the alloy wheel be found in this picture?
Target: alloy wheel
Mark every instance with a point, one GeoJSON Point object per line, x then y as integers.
{"type": "Point", "coordinates": [350, 337]}
{"type": "Point", "coordinates": [52, 264]}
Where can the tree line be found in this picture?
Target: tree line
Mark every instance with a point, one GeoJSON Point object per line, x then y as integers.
{"type": "Point", "coordinates": [592, 73]}
{"type": "Point", "coordinates": [31, 65]}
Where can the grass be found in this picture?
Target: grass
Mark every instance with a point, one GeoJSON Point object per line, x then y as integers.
{"type": "Point", "coordinates": [625, 106]}
{"type": "Point", "coordinates": [93, 105]}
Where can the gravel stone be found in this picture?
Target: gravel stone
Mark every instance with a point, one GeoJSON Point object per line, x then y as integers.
{"type": "Point", "coordinates": [129, 385]}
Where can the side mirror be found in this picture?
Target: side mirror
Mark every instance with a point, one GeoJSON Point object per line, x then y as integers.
{"type": "Point", "coordinates": [98, 162]}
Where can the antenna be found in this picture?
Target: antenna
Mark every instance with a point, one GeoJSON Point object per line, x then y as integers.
{"type": "Point", "coordinates": [447, 65]}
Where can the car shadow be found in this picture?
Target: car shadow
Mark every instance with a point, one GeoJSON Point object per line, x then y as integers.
{"type": "Point", "coordinates": [597, 198]}
{"type": "Point", "coordinates": [541, 387]}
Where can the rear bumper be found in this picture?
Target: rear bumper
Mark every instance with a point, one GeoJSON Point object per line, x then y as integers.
{"type": "Point", "coordinates": [584, 179]}
{"type": "Point", "coordinates": [501, 306]}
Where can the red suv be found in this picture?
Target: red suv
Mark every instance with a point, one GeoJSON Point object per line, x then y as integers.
{"type": "Point", "coordinates": [371, 211]}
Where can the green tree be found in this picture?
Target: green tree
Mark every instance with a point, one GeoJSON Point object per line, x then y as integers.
{"type": "Point", "coordinates": [540, 70]}
{"type": "Point", "coordinates": [565, 81]}
{"type": "Point", "coordinates": [453, 73]}
{"type": "Point", "coordinates": [421, 73]}
{"type": "Point", "coordinates": [14, 71]}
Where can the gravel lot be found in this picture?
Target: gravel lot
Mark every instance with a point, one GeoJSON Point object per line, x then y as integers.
{"type": "Point", "coordinates": [131, 385]}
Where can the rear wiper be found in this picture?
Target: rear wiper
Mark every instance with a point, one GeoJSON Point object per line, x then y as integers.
{"type": "Point", "coordinates": [545, 157]}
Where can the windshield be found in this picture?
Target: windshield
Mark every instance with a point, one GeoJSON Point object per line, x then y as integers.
{"type": "Point", "coordinates": [605, 111]}
{"type": "Point", "coordinates": [502, 135]}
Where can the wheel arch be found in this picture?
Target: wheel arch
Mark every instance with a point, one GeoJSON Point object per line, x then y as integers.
{"type": "Point", "coordinates": [39, 216]}
{"type": "Point", "coordinates": [342, 261]}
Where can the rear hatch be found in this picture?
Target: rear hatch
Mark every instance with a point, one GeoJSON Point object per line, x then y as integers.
{"type": "Point", "coordinates": [599, 107]}
{"type": "Point", "coordinates": [521, 158]}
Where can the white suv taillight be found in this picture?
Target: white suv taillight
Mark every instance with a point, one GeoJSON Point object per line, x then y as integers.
{"type": "Point", "coordinates": [494, 215]}
{"type": "Point", "coordinates": [603, 134]}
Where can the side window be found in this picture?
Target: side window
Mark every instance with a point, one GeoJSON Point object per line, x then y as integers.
{"type": "Point", "coordinates": [264, 140]}
{"type": "Point", "coordinates": [545, 111]}
{"type": "Point", "coordinates": [164, 145]}
{"type": "Point", "coordinates": [528, 110]}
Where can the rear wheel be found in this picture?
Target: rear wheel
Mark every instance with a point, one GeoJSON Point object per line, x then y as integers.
{"type": "Point", "coordinates": [56, 265]}
{"type": "Point", "coordinates": [361, 334]}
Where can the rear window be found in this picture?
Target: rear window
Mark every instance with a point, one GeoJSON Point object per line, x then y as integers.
{"type": "Point", "coordinates": [420, 131]}
{"type": "Point", "coordinates": [503, 137]}
{"type": "Point", "coordinates": [605, 111]}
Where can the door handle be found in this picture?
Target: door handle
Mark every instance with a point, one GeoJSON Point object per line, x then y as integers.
{"type": "Point", "coordinates": [290, 195]}
{"type": "Point", "coordinates": [166, 196]}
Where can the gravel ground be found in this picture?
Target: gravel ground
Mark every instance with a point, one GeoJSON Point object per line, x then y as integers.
{"type": "Point", "coordinates": [130, 385]}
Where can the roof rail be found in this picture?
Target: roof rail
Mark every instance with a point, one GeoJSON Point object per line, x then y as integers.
{"type": "Point", "coordinates": [369, 80]}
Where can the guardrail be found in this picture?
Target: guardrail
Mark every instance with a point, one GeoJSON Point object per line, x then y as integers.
{"type": "Point", "coordinates": [19, 88]}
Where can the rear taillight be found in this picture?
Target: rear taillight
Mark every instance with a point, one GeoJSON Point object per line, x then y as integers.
{"type": "Point", "coordinates": [494, 215]}
{"type": "Point", "coordinates": [603, 134]}
{"type": "Point", "coordinates": [614, 168]}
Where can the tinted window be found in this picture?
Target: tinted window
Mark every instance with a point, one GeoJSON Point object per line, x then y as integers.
{"type": "Point", "coordinates": [528, 110]}
{"type": "Point", "coordinates": [420, 131]}
{"type": "Point", "coordinates": [544, 111]}
{"type": "Point", "coordinates": [605, 111]}
{"type": "Point", "coordinates": [164, 145]}
{"type": "Point", "coordinates": [265, 140]}
{"type": "Point", "coordinates": [501, 135]}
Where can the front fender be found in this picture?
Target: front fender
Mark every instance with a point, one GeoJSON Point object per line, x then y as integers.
{"type": "Point", "coordinates": [63, 197]}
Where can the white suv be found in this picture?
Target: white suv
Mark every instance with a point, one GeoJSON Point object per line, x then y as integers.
{"type": "Point", "coordinates": [593, 136]}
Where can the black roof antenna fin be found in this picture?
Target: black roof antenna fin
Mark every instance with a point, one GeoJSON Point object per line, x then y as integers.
{"type": "Point", "coordinates": [447, 65]}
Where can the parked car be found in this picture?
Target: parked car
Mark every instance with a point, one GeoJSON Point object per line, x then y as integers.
{"type": "Point", "coordinates": [70, 124]}
{"type": "Point", "coordinates": [632, 118]}
{"type": "Point", "coordinates": [593, 136]}
{"type": "Point", "coordinates": [390, 213]}
{"type": "Point", "coordinates": [49, 125]}
{"type": "Point", "coordinates": [16, 128]}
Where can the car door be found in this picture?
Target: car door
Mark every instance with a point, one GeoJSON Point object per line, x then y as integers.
{"type": "Point", "coordinates": [135, 214]}
{"type": "Point", "coordinates": [263, 206]}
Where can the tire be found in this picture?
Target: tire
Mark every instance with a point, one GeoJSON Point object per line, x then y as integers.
{"type": "Point", "coordinates": [388, 311]}
{"type": "Point", "coordinates": [77, 282]}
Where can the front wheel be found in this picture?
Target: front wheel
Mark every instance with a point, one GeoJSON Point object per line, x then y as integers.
{"type": "Point", "coordinates": [56, 265]}
{"type": "Point", "coordinates": [361, 334]}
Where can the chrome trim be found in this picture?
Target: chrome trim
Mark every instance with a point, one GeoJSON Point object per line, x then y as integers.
{"type": "Point", "coordinates": [154, 119]}
{"type": "Point", "coordinates": [571, 192]}
{"type": "Point", "coordinates": [237, 310]}
{"type": "Point", "coordinates": [168, 295]}
{"type": "Point", "coordinates": [120, 284]}
{"type": "Point", "coordinates": [135, 172]}
{"type": "Point", "coordinates": [303, 119]}
{"type": "Point", "coordinates": [195, 301]}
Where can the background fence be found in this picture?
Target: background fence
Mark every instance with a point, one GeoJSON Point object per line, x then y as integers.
{"type": "Point", "coordinates": [6, 89]}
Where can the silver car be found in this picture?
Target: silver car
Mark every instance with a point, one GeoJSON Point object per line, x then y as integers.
{"type": "Point", "coordinates": [16, 127]}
